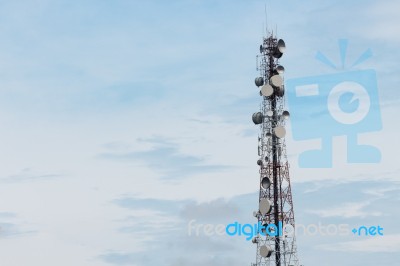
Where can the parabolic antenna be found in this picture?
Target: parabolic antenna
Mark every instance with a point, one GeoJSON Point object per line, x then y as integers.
{"type": "Point", "coordinates": [281, 46]}
{"type": "Point", "coordinates": [280, 131]}
{"type": "Point", "coordinates": [257, 118]}
{"type": "Point", "coordinates": [280, 91]}
{"type": "Point", "coordinates": [279, 49]}
{"type": "Point", "coordinates": [265, 251]}
{"type": "Point", "coordinates": [277, 54]}
{"type": "Point", "coordinates": [270, 113]}
{"type": "Point", "coordinates": [265, 206]}
{"type": "Point", "coordinates": [267, 90]}
{"type": "Point", "coordinates": [265, 183]}
{"type": "Point", "coordinates": [268, 135]}
{"type": "Point", "coordinates": [285, 115]}
{"type": "Point", "coordinates": [259, 162]}
{"type": "Point", "coordinates": [280, 69]}
{"type": "Point", "coordinates": [276, 81]}
{"type": "Point", "coordinates": [259, 81]}
{"type": "Point", "coordinates": [261, 49]}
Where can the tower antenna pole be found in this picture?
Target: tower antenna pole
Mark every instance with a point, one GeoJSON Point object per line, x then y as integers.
{"type": "Point", "coordinates": [275, 209]}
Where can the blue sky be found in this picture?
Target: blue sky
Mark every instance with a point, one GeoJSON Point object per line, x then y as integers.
{"type": "Point", "coordinates": [123, 120]}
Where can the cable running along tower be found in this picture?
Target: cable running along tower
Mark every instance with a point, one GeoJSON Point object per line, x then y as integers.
{"type": "Point", "coordinates": [275, 245]}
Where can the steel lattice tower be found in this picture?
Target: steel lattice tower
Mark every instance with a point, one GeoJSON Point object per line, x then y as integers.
{"type": "Point", "coordinates": [275, 246]}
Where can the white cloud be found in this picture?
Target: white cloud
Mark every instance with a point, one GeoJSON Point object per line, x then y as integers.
{"type": "Point", "coordinates": [381, 22]}
{"type": "Point", "coordinates": [348, 210]}
{"type": "Point", "coordinates": [385, 243]}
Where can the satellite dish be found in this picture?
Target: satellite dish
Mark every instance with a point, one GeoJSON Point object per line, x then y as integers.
{"type": "Point", "coordinates": [280, 91]}
{"type": "Point", "coordinates": [259, 81]}
{"type": "Point", "coordinates": [279, 49]}
{"type": "Point", "coordinates": [265, 251]}
{"type": "Point", "coordinates": [267, 90]}
{"type": "Point", "coordinates": [281, 46]}
{"type": "Point", "coordinates": [280, 69]}
{"type": "Point", "coordinates": [270, 113]}
{"type": "Point", "coordinates": [257, 118]}
{"type": "Point", "coordinates": [280, 131]}
{"type": "Point", "coordinates": [261, 48]}
{"type": "Point", "coordinates": [276, 81]}
{"type": "Point", "coordinates": [268, 135]}
{"type": "Point", "coordinates": [277, 54]}
{"type": "Point", "coordinates": [285, 115]}
{"type": "Point", "coordinates": [265, 183]}
{"type": "Point", "coordinates": [259, 162]}
{"type": "Point", "coordinates": [265, 206]}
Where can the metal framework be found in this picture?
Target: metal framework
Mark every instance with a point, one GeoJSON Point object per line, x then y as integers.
{"type": "Point", "coordinates": [275, 246]}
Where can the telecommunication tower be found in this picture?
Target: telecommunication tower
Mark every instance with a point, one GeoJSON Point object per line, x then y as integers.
{"type": "Point", "coordinates": [276, 245]}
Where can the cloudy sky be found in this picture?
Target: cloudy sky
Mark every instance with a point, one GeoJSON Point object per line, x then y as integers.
{"type": "Point", "coordinates": [121, 121]}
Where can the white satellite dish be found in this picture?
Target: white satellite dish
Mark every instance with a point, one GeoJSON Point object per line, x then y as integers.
{"type": "Point", "coordinates": [280, 132]}
{"type": "Point", "coordinates": [265, 251]}
{"type": "Point", "coordinates": [267, 90]}
{"type": "Point", "coordinates": [265, 206]}
{"type": "Point", "coordinates": [276, 81]}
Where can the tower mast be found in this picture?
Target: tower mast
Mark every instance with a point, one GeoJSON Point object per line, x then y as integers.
{"type": "Point", "coordinates": [276, 242]}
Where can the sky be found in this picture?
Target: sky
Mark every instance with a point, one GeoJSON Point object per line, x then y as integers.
{"type": "Point", "coordinates": [122, 121]}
